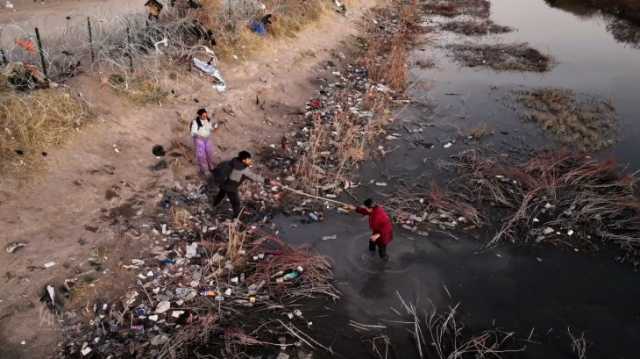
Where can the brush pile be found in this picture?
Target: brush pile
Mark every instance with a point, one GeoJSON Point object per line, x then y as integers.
{"type": "Point", "coordinates": [452, 8]}
{"type": "Point", "coordinates": [475, 27]}
{"type": "Point", "coordinates": [588, 123]}
{"type": "Point", "coordinates": [501, 57]}
{"type": "Point", "coordinates": [557, 198]}
{"type": "Point", "coordinates": [418, 208]}
{"type": "Point", "coordinates": [204, 286]}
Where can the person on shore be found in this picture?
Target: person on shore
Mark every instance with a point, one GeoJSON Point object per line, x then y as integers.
{"type": "Point", "coordinates": [381, 227]}
{"type": "Point", "coordinates": [229, 175]}
{"type": "Point", "coordinates": [201, 129]}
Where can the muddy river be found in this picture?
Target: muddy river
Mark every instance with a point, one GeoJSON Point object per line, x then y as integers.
{"type": "Point", "coordinates": [536, 292]}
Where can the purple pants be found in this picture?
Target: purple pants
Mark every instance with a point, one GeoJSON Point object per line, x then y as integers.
{"type": "Point", "coordinates": [204, 154]}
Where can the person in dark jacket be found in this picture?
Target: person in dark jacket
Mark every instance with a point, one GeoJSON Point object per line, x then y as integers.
{"type": "Point", "coordinates": [381, 227]}
{"type": "Point", "coordinates": [232, 174]}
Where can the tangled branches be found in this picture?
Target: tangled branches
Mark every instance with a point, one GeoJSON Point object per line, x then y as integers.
{"type": "Point", "coordinates": [556, 197]}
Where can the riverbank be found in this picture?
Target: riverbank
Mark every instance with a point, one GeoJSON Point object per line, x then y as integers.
{"type": "Point", "coordinates": [64, 216]}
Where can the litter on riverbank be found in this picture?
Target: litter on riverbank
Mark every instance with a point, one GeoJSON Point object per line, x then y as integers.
{"type": "Point", "coordinates": [502, 57]}
{"type": "Point", "coordinates": [204, 284]}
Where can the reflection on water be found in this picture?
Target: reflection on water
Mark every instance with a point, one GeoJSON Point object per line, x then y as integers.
{"type": "Point", "coordinates": [623, 21]}
{"type": "Point", "coordinates": [588, 61]}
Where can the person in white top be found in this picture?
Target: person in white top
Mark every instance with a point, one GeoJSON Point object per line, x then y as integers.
{"type": "Point", "coordinates": [201, 129]}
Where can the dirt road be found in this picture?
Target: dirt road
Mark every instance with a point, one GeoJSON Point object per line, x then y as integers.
{"type": "Point", "coordinates": [63, 215]}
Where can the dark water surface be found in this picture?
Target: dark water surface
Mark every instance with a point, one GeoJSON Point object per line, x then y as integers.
{"type": "Point", "coordinates": [517, 289]}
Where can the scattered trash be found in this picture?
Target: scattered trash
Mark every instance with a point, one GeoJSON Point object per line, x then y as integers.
{"type": "Point", "coordinates": [163, 307]}
{"type": "Point", "coordinates": [49, 265]}
{"type": "Point", "coordinates": [158, 151]}
{"type": "Point", "coordinates": [209, 69]}
{"type": "Point", "coordinates": [331, 237]}
{"type": "Point", "coordinates": [447, 145]}
{"type": "Point", "coordinates": [14, 246]}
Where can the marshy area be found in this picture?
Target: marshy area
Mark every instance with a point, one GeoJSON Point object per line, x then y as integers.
{"type": "Point", "coordinates": [503, 151]}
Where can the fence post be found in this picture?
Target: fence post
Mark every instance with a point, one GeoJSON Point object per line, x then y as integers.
{"type": "Point", "coordinates": [93, 56]}
{"type": "Point", "coordinates": [41, 50]}
{"type": "Point", "coordinates": [129, 49]}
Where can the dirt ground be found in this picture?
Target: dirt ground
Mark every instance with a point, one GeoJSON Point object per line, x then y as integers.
{"type": "Point", "coordinates": [61, 214]}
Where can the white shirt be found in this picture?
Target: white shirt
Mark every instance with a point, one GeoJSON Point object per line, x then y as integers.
{"type": "Point", "coordinates": [204, 131]}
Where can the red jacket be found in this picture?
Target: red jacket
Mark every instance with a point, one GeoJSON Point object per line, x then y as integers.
{"type": "Point", "coordinates": [379, 223]}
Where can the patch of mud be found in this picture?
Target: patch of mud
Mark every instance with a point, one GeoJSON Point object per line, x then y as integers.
{"type": "Point", "coordinates": [475, 27]}
{"type": "Point", "coordinates": [585, 122]}
{"type": "Point", "coordinates": [452, 8]}
{"type": "Point", "coordinates": [502, 57]}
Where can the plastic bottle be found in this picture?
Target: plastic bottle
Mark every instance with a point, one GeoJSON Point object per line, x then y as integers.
{"type": "Point", "coordinates": [291, 275]}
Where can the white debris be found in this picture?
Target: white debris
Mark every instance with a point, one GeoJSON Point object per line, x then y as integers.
{"type": "Point", "coordinates": [381, 184]}
{"type": "Point", "coordinates": [163, 306]}
{"type": "Point", "coordinates": [548, 231]}
{"type": "Point", "coordinates": [192, 250]}
{"type": "Point", "coordinates": [86, 350]}
{"type": "Point", "coordinates": [49, 264]}
{"type": "Point", "coordinates": [570, 232]}
{"type": "Point", "coordinates": [447, 145]}
{"type": "Point", "coordinates": [153, 318]}
{"type": "Point", "coordinates": [326, 238]}
{"type": "Point", "coordinates": [177, 313]}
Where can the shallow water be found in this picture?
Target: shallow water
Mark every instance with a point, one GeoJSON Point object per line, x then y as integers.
{"type": "Point", "coordinates": [536, 292]}
{"type": "Point", "coordinates": [588, 60]}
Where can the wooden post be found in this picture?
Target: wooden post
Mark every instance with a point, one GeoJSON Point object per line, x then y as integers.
{"type": "Point", "coordinates": [41, 50]}
{"type": "Point", "coordinates": [129, 49]}
{"type": "Point", "coordinates": [93, 56]}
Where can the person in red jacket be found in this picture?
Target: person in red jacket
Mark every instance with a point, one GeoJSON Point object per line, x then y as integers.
{"type": "Point", "coordinates": [381, 227]}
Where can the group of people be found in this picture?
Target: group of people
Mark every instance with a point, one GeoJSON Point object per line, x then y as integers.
{"type": "Point", "coordinates": [228, 175]}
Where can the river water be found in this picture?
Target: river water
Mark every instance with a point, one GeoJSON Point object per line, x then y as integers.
{"type": "Point", "coordinates": [535, 292]}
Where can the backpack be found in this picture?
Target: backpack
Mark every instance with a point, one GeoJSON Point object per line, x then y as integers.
{"type": "Point", "coordinates": [221, 172]}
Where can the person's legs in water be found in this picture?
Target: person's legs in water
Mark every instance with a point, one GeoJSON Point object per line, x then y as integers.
{"type": "Point", "coordinates": [382, 250]}
{"type": "Point", "coordinates": [200, 145]}
{"type": "Point", "coordinates": [234, 198]}
{"type": "Point", "coordinates": [372, 247]}
{"type": "Point", "coordinates": [208, 150]}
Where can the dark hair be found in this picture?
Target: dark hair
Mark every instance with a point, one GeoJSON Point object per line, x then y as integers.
{"type": "Point", "coordinates": [243, 155]}
{"type": "Point", "coordinates": [368, 203]}
{"type": "Point", "coordinates": [201, 111]}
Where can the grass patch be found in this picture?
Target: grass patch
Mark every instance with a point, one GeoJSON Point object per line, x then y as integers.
{"type": "Point", "coordinates": [587, 123]}
{"type": "Point", "coordinates": [33, 122]}
{"type": "Point", "coordinates": [138, 89]}
{"type": "Point", "coordinates": [502, 57]}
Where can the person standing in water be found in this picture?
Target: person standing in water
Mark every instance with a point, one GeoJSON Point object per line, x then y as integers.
{"type": "Point", "coordinates": [381, 227]}
{"type": "Point", "coordinates": [201, 129]}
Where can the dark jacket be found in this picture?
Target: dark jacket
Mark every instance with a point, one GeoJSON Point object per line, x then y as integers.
{"type": "Point", "coordinates": [379, 223]}
{"type": "Point", "coordinates": [239, 173]}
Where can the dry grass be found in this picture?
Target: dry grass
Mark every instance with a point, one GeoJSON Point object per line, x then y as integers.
{"type": "Point", "coordinates": [579, 344]}
{"type": "Point", "coordinates": [588, 124]}
{"type": "Point", "coordinates": [229, 22]}
{"type": "Point", "coordinates": [502, 57]}
{"type": "Point", "coordinates": [138, 88]}
{"type": "Point", "coordinates": [33, 123]}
